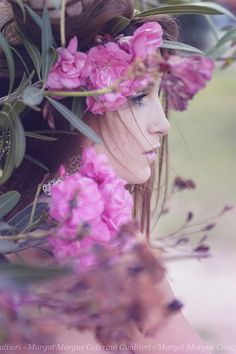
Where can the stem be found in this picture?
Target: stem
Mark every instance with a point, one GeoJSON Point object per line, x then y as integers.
{"type": "Point", "coordinates": [35, 203]}
{"type": "Point", "coordinates": [184, 257]}
{"type": "Point", "coordinates": [80, 93]}
{"type": "Point", "coordinates": [62, 23]}
{"type": "Point", "coordinates": [25, 236]}
{"type": "Point", "coordinates": [226, 58]}
{"type": "Point", "coordinates": [185, 227]}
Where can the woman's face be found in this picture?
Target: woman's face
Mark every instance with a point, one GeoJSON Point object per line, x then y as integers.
{"type": "Point", "coordinates": [132, 135]}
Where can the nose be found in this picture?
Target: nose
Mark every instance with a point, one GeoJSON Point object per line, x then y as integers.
{"type": "Point", "coordinates": [159, 124]}
{"type": "Point", "coordinates": [163, 127]}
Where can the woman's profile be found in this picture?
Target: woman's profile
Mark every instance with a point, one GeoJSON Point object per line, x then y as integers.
{"type": "Point", "coordinates": [131, 124]}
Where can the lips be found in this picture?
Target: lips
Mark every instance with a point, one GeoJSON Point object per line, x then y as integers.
{"type": "Point", "coordinates": [151, 154]}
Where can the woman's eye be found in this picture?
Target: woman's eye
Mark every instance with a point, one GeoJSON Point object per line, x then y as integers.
{"type": "Point", "coordinates": [139, 98]}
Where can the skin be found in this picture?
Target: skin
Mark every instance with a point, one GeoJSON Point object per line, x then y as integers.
{"type": "Point", "coordinates": [130, 132]}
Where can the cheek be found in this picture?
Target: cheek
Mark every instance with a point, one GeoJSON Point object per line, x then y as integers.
{"type": "Point", "coordinates": [133, 169]}
{"type": "Point", "coordinates": [124, 150]}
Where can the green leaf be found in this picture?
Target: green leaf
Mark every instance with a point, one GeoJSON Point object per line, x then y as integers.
{"type": "Point", "coordinates": [118, 24]}
{"type": "Point", "coordinates": [36, 162]}
{"type": "Point", "coordinates": [32, 96]}
{"type": "Point", "coordinates": [180, 46]}
{"type": "Point", "coordinates": [7, 246]}
{"type": "Point", "coordinates": [73, 119]}
{"type": "Point", "coordinates": [21, 6]}
{"type": "Point", "coordinates": [39, 136]}
{"type": "Point", "coordinates": [198, 8]}
{"type": "Point", "coordinates": [55, 132]}
{"type": "Point", "coordinates": [78, 106]}
{"type": "Point", "coordinates": [30, 274]}
{"type": "Point", "coordinates": [53, 56]}
{"type": "Point", "coordinates": [7, 126]}
{"type": "Point", "coordinates": [25, 81]}
{"type": "Point", "coordinates": [19, 107]}
{"type": "Point", "coordinates": [5, 227]}
{"type": "Point", "coordinates": [8, 201]}
{"type": "Point", "coordinates": [21, 59]}
{"type": "Point", "coordinates": [47, 43]}
{"type": "Point", "coordinates": [34, 54]}
{"type": "Point", "coordinates": [18, 142]}
{"type": "Point", "coordinates": [17, 138]}
{"type": "Point", "coordinates": [21, 219]}
{"type": "Point", "coordinates": [229, 36]}
{"type": "Point", "coordinates": [37, 19]}
{"type": "Point", "coordinates": [10, 61]}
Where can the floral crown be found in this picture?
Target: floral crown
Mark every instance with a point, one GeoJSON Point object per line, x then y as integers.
{"type": "Point", "coordinates": [125, 65]}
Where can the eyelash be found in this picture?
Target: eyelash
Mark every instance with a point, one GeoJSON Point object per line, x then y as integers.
{"type": "Point", "coordinates": [139, 99]}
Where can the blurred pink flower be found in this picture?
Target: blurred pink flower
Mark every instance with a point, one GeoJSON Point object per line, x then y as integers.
{"type": "Point", "coordinates": [184, 77]}
{"type": "Point", "coordinates": [118, 205]}
{"type": "Point", "coordinates": [76, 199]}
{"type": "Point", "coordinates": [89, 206]}
{"type": "Point", "coordinates": [146, 39]}
{"type": "Point", "coordinates": [67, 72]}
{"type": "Point", "coordinates": [96, 166]}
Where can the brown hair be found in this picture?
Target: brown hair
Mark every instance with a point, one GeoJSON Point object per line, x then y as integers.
{"type": "Point", "coordinates": [94, 19]}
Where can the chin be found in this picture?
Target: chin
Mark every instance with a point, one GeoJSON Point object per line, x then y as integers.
{"type": "Point", "coordinates": [141, 176]}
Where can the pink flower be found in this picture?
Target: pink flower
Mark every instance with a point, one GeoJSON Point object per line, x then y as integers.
{"type": "Point", "coordinates": [96, 166]}
{"type": "Point", "coordinates": [107, 64]}
{"type": "Point", "coordinates": [118, 203]}
{"type": "Point", "coordinates": [64, 249]}
{"type": "Point", "coordinates": [89, 206]}
{"type": "Point", "coordinates": [146, 39]}
{"type": "Point", "coordinates": [76, 199]}
{"type": "Point", "coordinates": [104, 65]}
{"type": "Point", "coordinates": [68, 72]}
{"type": "Point", "coordinates": [107, 102]}
{"type": "Point", "coordinates": [185, 76]}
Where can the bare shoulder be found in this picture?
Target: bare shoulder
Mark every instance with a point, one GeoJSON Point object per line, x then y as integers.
{"type": "Point", "coordinates": [176, 334]}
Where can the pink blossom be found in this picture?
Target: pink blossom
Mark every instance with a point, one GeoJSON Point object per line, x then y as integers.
{"type": "Point", "coordinates": [104, 66]}
{"type": "Point", "coordinates": [118, 203]}
{"type": "Point", "coordinates": [185, 76]}
{"type": "Point", "coordinates": [89, 206]}
{"type": "Point", "coordinates": [76, 199]}
{"type": "Point", "coordinates": [107, 102]}
{"type": "Point", "coordinates": [67, 72]}
{"type": "Point", "coordinates": [64, 249]}
{"type": "Point", "coordinates": [108, 63]}
{"type": "Point", "coordinates": [147, 39]}
{"type": "Point", "coordinates": [96, 166]}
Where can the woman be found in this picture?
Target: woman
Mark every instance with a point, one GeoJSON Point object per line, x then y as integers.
{"type": "Point", "coordinates": [134, 136]}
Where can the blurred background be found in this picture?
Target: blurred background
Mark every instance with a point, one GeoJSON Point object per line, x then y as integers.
{"type": "Point", "coordinates": [202, 147]}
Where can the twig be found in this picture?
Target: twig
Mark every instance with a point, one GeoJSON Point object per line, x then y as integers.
{"type": "Point", "coordinates": [35, 202]}
{"type": "Point", "coordinates": [62, 23]}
